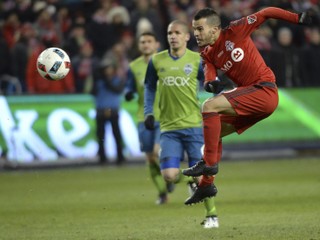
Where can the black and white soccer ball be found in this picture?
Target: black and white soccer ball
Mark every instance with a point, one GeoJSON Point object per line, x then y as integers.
{"type": "Point", "coordinates": [53, 64]}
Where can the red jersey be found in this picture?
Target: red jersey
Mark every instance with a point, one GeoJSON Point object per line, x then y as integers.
{"type": "Point", "coordinates": [235, 53]}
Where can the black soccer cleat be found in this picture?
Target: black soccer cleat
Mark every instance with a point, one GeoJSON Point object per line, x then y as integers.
{"type": "Point", "coordinates": [201, 193]}
{"type": "Point", "coordinates": [200, 168]}
{"type": "Point", "coordinates": [163, 199]}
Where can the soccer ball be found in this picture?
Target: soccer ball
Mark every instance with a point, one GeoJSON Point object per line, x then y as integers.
{"type": "Point", "coordinates": [53, 64]}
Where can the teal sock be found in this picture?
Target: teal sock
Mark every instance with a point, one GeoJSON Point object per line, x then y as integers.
{"type": "Point", "coordinates": [210, 207]}
{"type": "Point", "coordinates": [183, 178]}
{"type": "Point", "coordinates": [157, 178]}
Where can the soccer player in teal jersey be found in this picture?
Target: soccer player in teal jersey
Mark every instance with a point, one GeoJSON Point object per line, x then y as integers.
{"type": "Point", "coordinates": [149, 139]}
{"type": "Point", "coordinates": [174, 75]}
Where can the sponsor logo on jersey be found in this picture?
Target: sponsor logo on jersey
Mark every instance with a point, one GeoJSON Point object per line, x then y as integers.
{"type": "Point", "coordinates": [174, 68]}
{"type": "Point", "coordinates": [175, 81]}
{"type": "Point", "coordinates": [229, 45]}
{"type": "Point", "coordinates": [237, 54]}
{"type": "Point", "coordinates": [187, 69]}
{"type": "Point", "coordinates": [252, 19]}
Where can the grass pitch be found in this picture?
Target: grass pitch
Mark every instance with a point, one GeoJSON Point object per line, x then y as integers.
{"type": "Point", "coordinates": [278, 199]}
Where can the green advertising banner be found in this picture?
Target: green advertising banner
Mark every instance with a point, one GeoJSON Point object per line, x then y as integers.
{"type": "Point", "coordinates": [297, 118]}
{"type": "Point", "coordinates": [55, 128]}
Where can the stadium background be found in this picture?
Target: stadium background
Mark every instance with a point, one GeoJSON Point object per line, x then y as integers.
{"type": "Point", "coordinates": [43, 130]}
{"type": "Point", "coordinates": [91, 31]}
{"type": "Point", "coordinates": [49, 126]}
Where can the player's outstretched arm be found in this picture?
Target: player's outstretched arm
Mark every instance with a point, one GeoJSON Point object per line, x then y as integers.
{"type": "Point", "coordinates": [281, 14]}
{"type": "Point", "coordinates": [150, 85]}
{"type": "Point", "coordinates": [130, 86]}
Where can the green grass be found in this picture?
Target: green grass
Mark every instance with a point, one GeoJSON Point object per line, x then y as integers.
{"type": "Point", "coordinates": [278, 199]}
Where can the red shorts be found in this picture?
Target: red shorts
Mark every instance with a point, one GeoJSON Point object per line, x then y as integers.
{"type": "Point", "coordinates": [252, 104]}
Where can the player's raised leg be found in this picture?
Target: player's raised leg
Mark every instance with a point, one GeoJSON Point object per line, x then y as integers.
{"type": "Point", "coordinates": [213, 145]}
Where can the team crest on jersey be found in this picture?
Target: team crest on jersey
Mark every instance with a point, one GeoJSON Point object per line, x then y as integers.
{"type": "Point", "coordinates": [187, 68]}
{"type": "Point", "coordinates": [252, 19]}
{"type": "Point", "coordinates": [229, 45]}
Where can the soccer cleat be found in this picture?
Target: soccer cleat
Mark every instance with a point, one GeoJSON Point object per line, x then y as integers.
{"type": "Point", "coordinates": [163, 199]}
{"type": "Point", "coordinates": [201, 193]}
{"type": "Point", "coordinates": [192, 187]}
{"type": "Point", "coordinates": [170, 187]}
{"type": "Point", "coordinates": [210, 222]}
{"type": "Point", "coordinates": [200, 168]}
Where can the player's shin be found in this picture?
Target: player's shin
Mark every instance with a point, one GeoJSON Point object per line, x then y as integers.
{"type": "Point", "coordinates": [210, 207]}
{"type": "Point", "coordinates": [157, 177]}
{"type": "Point", "coordinates": [212, 141]}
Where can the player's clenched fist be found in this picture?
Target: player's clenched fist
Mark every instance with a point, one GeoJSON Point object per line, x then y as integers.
{"type": "Point", "coordinates": [304, 18]}
{"type": "Point", "coordinates": [215, 86]}
{"type": "Point", "coordinates": [149, 122]}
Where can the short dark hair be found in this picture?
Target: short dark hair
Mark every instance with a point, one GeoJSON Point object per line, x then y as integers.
{"type": "Point", "coordinates": [211, 15]}
{"type": "Point", "coordinates": [151, 34]}
{"type": "Point", "coordinates": [181, 23]}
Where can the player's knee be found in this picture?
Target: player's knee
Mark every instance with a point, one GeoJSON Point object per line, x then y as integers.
{"type": "Point", "coordinates": [170, 175]}
{"type": "Point", "coordinates": [208, 106]}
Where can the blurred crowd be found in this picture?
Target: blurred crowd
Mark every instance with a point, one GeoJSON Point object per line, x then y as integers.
{"type": "Point", "coordinates": [91, 31]}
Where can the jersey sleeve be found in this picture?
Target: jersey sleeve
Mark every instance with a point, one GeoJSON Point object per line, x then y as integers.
{"type": "Point", "coordinates": [150, 84]}
{"type": "Point", "coordinates": [209, 70]}
{"type": "Point", "coordinates": [200, 75]}
{"type": "Point", "coordinates": [131, 83]}
{"type": "Point", "coordinates": [246, 25]}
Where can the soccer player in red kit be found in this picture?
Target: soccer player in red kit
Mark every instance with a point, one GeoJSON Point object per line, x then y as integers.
{"type": "Point", "coordinates": [255, 97]}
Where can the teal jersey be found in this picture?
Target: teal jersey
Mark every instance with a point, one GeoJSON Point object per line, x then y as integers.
{"type": "Point", "coordinates": [138, 68]}
{"type": "Point", "coordinates": [177, 87]}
